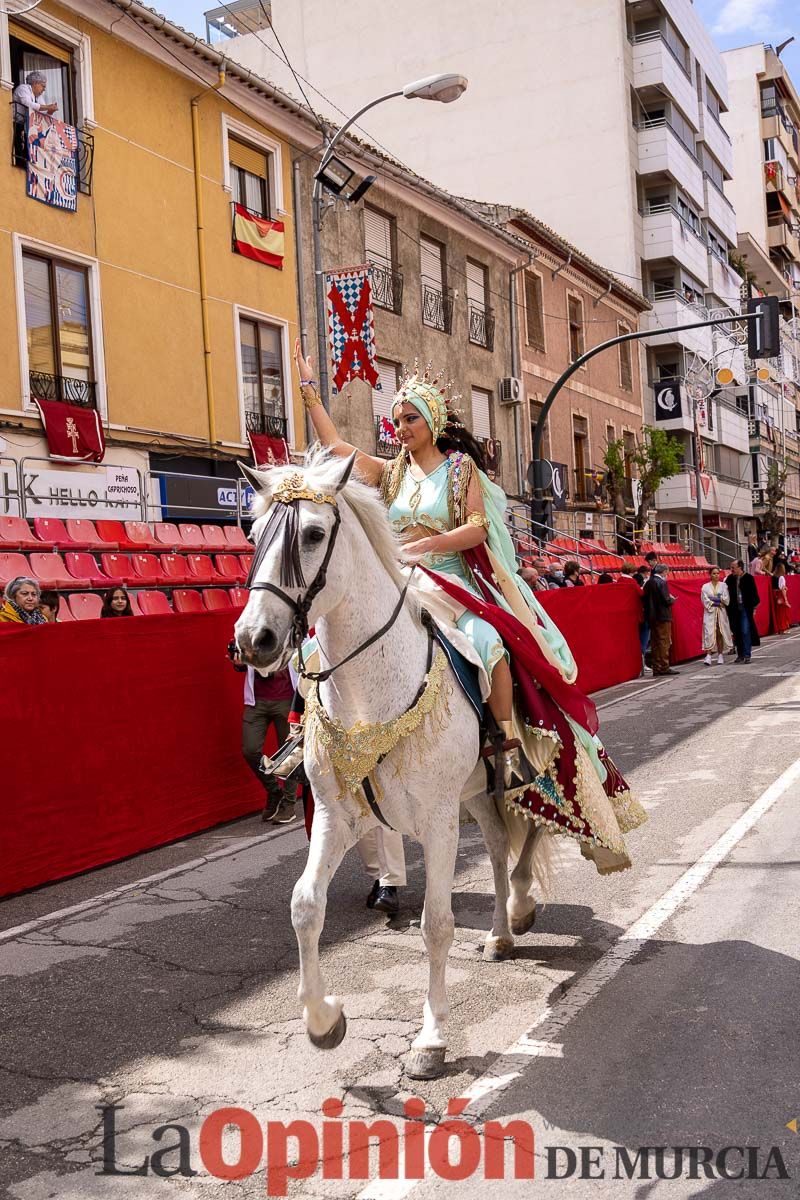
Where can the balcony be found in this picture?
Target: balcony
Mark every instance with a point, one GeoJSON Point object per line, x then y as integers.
{"type": "Point", "coordinates": [773, 127]}
{"type": "Point", "coordinates": [493, 454]}
{"type": "Point", "coordinates": [671, 308]}
{"type": "Point", "coordinates": [437, 307]}
{"type": "Point", "coordinates": [667, 235]}
{"type": "Point", "coordinates": [19, 156]}
{"type": "Point", "coordinates": [717, 141]}
{"type": "Point", "coordinates": [80, 392]}
{"type": "Point", "coordinates": [661, 152]}
{"type": "Point", "coordinates": [656, 67]}
{"type": "Point", "coordinates": [386, 443]}
{"type": "Point", "coordinates": [784, 237]}
{"type": "Point", "coordinates": [724, 281]}
{"type": "Point", "coordinates": [720, 494]}
{"type": "Point", "coordinates": [260, 422]}
{"type": "Point", "coordinates": [387, 287]}
{"type": "Point", "coordinates": [481, 327]}
{"type": "Point", "coordinates": [589, 488]}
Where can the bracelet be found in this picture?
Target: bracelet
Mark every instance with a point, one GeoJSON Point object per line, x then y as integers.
{"type": "Point", "coordinates": [308, 383]}
{"type": "Point", "coordinates": [310, 397]}
{"type": "Point", "coordinates": [476, 518]}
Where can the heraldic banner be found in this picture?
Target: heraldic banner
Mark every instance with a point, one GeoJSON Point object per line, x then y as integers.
{"type": "Point", "coordinates": [351, 327]}
{"type": "Point", "coordinates": [73, 434]}
{"type": "Point", "coordinates": [268, 451]}
{"type": "Point", "coordinates": [52, 161]}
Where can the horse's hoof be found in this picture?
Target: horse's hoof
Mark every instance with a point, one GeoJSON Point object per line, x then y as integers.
{"type": "Point", "coordinates": [498, 949]}
{"type": "Point", "coordinates": [520, 925]}
{"type": "Point", "coordinates": [425, 1064]}
{"type": "Point", "coordinates": [333, 1038]}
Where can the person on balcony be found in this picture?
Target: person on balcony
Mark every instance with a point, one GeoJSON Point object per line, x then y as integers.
{"type": "Point", "coordinates": [29, 94]}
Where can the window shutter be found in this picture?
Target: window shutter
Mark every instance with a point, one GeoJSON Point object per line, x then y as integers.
{"type": "Point", "coordinates": [38, 42]}
{"type": "Point", "coordinates": [248, 158]}
{"type": "Point", "coordinates": [625, 368]}
{"type": "Point", "coordinates": [476, 285]}
{"type": "Point", "coordinates": [378, 237]}
{"type": "Point", "coordinates": [388, 373]}
{"type": "Point", "coordinates": [481, 420]}
{"type": "Point", "coordinates": [534, 318]}
{"type": "Point", "coordinates": [431, 267]}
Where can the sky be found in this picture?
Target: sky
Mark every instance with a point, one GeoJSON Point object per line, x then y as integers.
{"type": "Point", "coordinates": [732, 22]}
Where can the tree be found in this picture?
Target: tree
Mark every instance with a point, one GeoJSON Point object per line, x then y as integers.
{"type": "Point", "coordinates": [614, 463]}
{"type": "Point", "coordinates": [658, 456]}
{"type": "Point", "coordinates": [774, 492]}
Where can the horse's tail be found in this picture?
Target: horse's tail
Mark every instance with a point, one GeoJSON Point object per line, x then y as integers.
{"type": "Point", "coordinates": [547, 852]}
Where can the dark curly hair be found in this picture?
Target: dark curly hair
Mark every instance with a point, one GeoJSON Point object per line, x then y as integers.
{"type": "Point", "coordinates": [456, 436]}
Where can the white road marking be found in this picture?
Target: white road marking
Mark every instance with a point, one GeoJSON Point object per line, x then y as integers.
{"type": "Point", "coordinates": [544, 1038]}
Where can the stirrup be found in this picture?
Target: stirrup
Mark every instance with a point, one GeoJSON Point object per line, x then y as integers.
{"type": "Point", "coordinates": [500, 749]}
{"type": "Point", "coordinates": [287, 758]}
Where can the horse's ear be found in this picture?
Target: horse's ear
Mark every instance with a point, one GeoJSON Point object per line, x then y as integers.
{"type": "Point", "coordinates": [347, 472]}
{"type": "Point", "coordinates": [256, 479]}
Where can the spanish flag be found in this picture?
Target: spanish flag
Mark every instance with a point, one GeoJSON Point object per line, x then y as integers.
{"type": "Point", "coordinates": [258, 238]}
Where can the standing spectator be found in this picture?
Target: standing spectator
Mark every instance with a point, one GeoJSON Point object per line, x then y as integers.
{"type": "Point", "coordinates": [715, 598]}
{"type": "Point", "coordinates": [267, 701]}
{"type": "Point", "coordinates": [766, 560]}
{"type": "Point", "coordinates": [572, 574]}
{"type": "Point", "coordinates": [782, 608]}
{"type": "Point", "coordinates": [658, 609]}
{"type": "Point", "coordinates": [640, 578]}
{"type": "Point", "coordinates": [116, 603]}
{"type": "Point", "coordinates": [743, 602]}
{"type": "Point", "coordinates": [752, 549]}
{"type": "Point", "coordinates": [651, 559]}
{"type": "Point", "coordinates": [21, 601]}
{"type": "Point", "coordinates": [756, 565]}
{"type": "Point", "coordinates": [49, 606]}
{"type": "Point", "coordinates": [641, 575]}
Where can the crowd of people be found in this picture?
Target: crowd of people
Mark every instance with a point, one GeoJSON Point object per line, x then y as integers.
{"type": "Point", "coordinates": [25, 602]}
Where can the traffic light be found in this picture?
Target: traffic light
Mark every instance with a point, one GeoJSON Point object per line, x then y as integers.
{"type": "Point", "coordinates": [763, 336]}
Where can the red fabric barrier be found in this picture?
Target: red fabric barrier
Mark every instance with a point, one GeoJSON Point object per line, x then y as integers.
{"type": "Point", "coordinates": [687, 613]}
{"type": "Point", "coordinates": [117, 736]}
{"type": "Point", "coordinates": [601, 625]}
{"type": "Point", "coordinates": [793, 587]}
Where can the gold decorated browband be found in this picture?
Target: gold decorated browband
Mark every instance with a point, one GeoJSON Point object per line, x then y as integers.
{"type": "Point", "coordinates": [294, 487]}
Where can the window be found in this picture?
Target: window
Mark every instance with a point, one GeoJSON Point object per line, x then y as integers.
{"type": "Point", "coordinates": [58, 330]}
{"type": "Point", "coordinates": [611, 434]}
{"type": "Point", "coordinates": [580, 446]}
{"type": "Point", "coordinates": [629, 449]}
{"type": "Point", "coordinates": [249, 177]}
{"type": "Point", "coordinates": [625, 366]}
{"type": "Point", "coordinates": [30, 51]}
{"type": "Point", "coordinates": [676, 44]}
{"type": "Point", "coordinates": [575, 314]}
{"type": "Point", "coordinates": [481, 318]}
{"type": "Point", "coordinates": [770, 149]}
{"type": "Point", "coordinates": [713, 102]}
{"type": "Point", "coordinates": [437, 305]}
{"type": "Point", "coordinates": [717, 246]}
{"type": "Point", "coordinates": [683, 129]}
{"type": "Point", "coordinates": [262, 376]}
{"type": "Point", "coordinates": [389, 375]}
{"type": "Point", "coordinates": [687, 214]}
{"type": "Point", "coordinates": [534, 314]}
{"type": "Point", "coordinates": [380, 240]}
{"type": "Point", "coordinates": [711, 167]}
{"type": "Point", "coordinates": [481, 413]}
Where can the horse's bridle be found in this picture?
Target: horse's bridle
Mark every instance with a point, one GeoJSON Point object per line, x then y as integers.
{"type": "Point", "coordinates": [291, 491]}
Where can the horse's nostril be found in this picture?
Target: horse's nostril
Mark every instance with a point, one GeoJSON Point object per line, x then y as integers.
{"type": "Point", "coordinates": [265, 641]}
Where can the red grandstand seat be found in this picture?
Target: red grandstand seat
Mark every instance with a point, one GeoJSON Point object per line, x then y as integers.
{"type": "Point", "coordinates": [153, 604]}
{"type": "Point", "coordinates": [65, 613]}
{"type": "Point", "coordinates": [246, 560]}
{"type": "Point", "coordinates": [187, 601]}
{"type": "Point", "coordinates": [51, 532]}
{"type": "Point", "coordinates": [236, 538]}
{"type": "Point", "coordinates": [214, 536]}
{"type": "Point", "coordinates": [12, 564]}
{"type": "Point", "coordinates": [49, 570]}
{"type": "Point", "coordinates": [167, 535]}
{"type": "Point", "coordinates": [81, 565]}
{"type": "Point", "coordinates": [141, 535]}
{"type": "Point", "coordinates": [83, 531]}
{"type": "Point", "coordinates": [118, 568]}
{"type": "Point", "coordinates": [238, 596]}
{"type": "Point", "coordinates": [15, 534]}
{"type": "Point", "coordinates": [201, 568]}
{"type": "Point", "coordinates": [86, 606]}
{"type": "Point", "coordinates": [174, 566]}
{"type": "Point", "coordinates": [148, 567]}
{"type": "Point", "coordinates": [230, 566]}
{"type": "Point", "coordinates": [114, 537]}
{"type": "Point", "coordinates": [193, 538]}
{"type": "Point", "coordinates": [215, 599]}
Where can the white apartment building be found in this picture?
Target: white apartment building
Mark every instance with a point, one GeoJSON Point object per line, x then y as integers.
{"type": "Point", "coordinates": [601, 118]}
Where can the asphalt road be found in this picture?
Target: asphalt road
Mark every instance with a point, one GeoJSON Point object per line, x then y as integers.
{"type": "Point", "coordinates": [656, 1008]}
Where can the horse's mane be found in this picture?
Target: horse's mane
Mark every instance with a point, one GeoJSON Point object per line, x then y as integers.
{"type": "Point", "coordinates": [322, 469]}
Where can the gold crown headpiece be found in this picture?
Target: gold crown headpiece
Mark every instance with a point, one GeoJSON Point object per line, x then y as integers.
{"type": "Point", "coordinates": [436, 391]}
{"type": "Point", "coordinates": [294, 487]}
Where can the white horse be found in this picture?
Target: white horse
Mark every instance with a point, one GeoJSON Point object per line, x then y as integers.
{"type": "Point", "coordinates": [423, 779]}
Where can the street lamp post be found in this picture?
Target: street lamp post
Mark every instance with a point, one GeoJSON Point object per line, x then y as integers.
{"type": "Point", "coordinates": [445, 88]}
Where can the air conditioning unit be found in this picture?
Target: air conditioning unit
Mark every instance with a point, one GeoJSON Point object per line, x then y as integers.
{"type": "Point", "coordinates": [510, 390]}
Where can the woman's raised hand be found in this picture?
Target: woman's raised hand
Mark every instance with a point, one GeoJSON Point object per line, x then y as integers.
{"type": "Point", "coordinates": [304, 367]}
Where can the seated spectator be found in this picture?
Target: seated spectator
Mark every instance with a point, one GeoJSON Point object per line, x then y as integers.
{"type": "Point", "coordinates": [545, 576]}
{"type": "Point", "coordinates": [572, 574]}
{"type": "Point", "coordinates": [49, 604]}
{"type": "Point", "coordinates": [116, 603]}
{"type": "Point", "coordinates": [21, 602]}
{"type": "Point", "coordinates": [604, 577]}
{"type": "Point", "coordinates": [534, 580]}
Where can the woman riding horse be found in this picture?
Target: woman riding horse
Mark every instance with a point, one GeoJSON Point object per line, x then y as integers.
{"type": "Point", "coordinates": [449, 516]}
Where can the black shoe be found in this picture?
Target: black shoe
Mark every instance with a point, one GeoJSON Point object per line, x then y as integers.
{"type": "Point", "coordinates": [747, 659]}
{"type": "Point", "coordinates": [739, 659]}
{"type": "Point", "coordinates": [373, 895]}
{"type": "Point", "coordinates": [671, 672]}
{"type": "Point", "coordinates": [387, 901]}
{"type": "Point", "coordinates": [272, 805]}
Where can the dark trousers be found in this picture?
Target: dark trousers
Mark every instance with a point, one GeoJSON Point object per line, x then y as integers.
{"type": "Point", "coordinates": [256, 720]}
{"type": "Point", "coordinates": [660, 642]}
{"type": "Point", "coordinates": [743, 633]}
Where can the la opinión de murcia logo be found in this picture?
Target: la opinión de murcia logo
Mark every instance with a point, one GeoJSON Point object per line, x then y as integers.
{"type": "Point", "coordinates": [233, 1144]}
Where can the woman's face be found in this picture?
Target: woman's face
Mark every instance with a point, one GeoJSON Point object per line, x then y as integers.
{"type": "Point", "coordinates": [715, 575]}
{"type": "Point", "coordinates": [119, 601]}
{"type": "Point", "coordinates": [411, 428]}
{"type": "Point", "coordinates": [27, 597]}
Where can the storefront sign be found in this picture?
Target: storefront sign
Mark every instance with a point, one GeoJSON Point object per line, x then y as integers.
{"type": "Point", "coordinates": [93, 494]}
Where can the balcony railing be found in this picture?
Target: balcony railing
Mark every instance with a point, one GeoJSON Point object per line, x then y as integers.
{"type": "Point", "coordinates": [589, 488]}
{"type": "Point", "coordinates": [493, 455]}
{"type": "Point", "coordinates": [387, 287]}
{"type": "Point", "coordinates": [19, 157]}
{"type": "Point", "coordinates": [80, 392]}
{"type": "Point", "coordinates": [437, 308]}
{"type": "Point", "coordinates": [259, 422]}
{"type": "Point", "coordinates": [386, 443]}
{"type": "Point", "coordinates": [663, 123]}
{"type": "Point", "coordinates": [481, 327]}
{"type": "Point", "coordinates": [656, 35]}
{"type": "Point", "coordinates": [653, 210]}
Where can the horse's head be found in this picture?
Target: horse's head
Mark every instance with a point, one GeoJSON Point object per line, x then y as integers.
{"type": "Point", "coordinates": [298, 519]}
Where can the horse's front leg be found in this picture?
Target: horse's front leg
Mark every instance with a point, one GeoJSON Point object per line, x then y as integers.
{"type": "Point", "coordinates": [323, 1015]}
{"type": "Point", "coordinates": [499, 944]}
{"type": "Point", "coordinates": [426, 1059]}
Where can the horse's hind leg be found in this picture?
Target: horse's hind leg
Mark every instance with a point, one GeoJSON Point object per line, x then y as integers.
{"type": "Point", "coordinates": [499, 943]}
{"type": "Point", "coordinates": [426, 1059]}
{"type": "Point", "coordinates": [521, 905]}
{"type": "Point", "coordinates": [323, 1015]}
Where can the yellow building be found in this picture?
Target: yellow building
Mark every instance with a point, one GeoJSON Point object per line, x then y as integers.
{"type": "Point", "coordinates": [182, 344]}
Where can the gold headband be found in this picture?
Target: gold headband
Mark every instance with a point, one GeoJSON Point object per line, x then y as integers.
{"type": "Point", "coordinates": [293, 487]}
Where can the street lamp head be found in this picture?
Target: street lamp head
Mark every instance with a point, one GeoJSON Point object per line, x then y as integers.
{"type": "Point", "coordinates": [444, 88]}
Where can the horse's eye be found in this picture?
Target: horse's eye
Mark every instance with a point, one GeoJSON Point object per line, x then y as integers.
{"type": "Point", "coordinates": [314, 535]}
